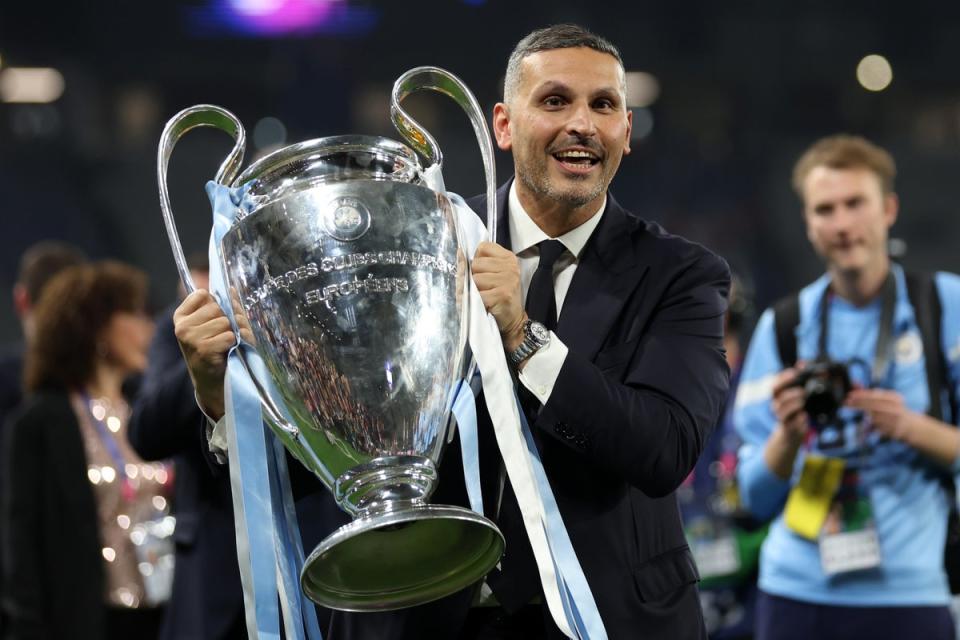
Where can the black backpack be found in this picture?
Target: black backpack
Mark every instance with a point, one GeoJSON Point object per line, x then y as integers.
{"type": "Point", "coordinates": [922, 292]}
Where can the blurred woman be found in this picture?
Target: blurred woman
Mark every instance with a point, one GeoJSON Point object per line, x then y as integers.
{"type": "Point", "coordinates": [85, 553]}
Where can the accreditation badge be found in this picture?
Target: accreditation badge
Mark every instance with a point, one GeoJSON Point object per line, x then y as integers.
{"type": "Point", "coordinates": [849, 540]}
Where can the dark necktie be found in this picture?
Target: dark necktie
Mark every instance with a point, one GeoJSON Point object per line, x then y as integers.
{"type": "Point", "coordinates": [541, 298]}
{"type": "Point", "coordinates": [542, 307]}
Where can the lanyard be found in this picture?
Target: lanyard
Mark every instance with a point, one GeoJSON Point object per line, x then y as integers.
{"type": "Point", "coordinates": [884, 332]}
{"type": "Point", "coordinates": [858, 457]}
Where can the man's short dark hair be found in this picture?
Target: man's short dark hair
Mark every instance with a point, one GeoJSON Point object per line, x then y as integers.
{"type": "Point", "coordinates": [44, 260]}
{"type": "Point", "coordinates": [558, 36]}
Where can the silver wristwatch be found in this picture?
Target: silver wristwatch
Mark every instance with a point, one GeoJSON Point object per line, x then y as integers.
{"type": "Point", "coordinates": [535, 337]}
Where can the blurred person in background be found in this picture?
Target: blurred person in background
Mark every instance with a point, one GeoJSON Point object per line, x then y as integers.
{"type": "Point", "coordinates": [87, 552]}
{"type": "Point", "coordinates": [38, 265]}
{"type": "Point", "coordinates": [833, 410]}
{"type": "Point", "coordinates": [207, 600]}
{"type": "Point", "coordinates": [723, 536]}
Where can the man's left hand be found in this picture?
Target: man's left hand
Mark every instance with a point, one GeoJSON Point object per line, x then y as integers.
{"type": "Point", "coordinates": [496, 271]}
{"type": "Point", "coordinates": [886, 411]}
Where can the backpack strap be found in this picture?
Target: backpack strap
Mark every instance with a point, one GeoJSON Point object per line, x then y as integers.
{"type": "Point", "coordinates": [786, 317]}
{"type": "Point", "coordinates": [925, 300]}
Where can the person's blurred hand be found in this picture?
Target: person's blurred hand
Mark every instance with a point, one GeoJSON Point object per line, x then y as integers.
{"type": "Point", "coordinates": [205, 338]}
{"type": "Point", "coordinates": [885, 410]}
{"type": "Point", "coordinates": [787, 404]}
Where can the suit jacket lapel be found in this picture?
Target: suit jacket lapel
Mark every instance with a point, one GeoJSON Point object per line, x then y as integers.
{"type": "Point", "coordinates": [607, 273]}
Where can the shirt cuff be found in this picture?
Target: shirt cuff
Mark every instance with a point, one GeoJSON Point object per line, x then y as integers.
{"type": "Point", "coordinates": [217, 439]}
{"type": "Point", "coordinates": [540, 372]}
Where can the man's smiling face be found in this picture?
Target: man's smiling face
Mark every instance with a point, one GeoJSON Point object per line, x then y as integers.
{"type": "Point", "coordinates": [567, 126]}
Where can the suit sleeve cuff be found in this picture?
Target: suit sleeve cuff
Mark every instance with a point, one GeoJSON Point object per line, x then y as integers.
{"type": "Point", "coordinates": [541, 370]}
{"type": "Point", "coordinates": [216, 431]}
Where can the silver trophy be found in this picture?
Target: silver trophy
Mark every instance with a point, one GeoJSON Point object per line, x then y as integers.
{"type": "Point", "coordinates": [351, 274]}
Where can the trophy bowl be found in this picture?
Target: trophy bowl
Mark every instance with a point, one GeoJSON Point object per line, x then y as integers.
{"type": "Point", "coordinates": [349, 270]}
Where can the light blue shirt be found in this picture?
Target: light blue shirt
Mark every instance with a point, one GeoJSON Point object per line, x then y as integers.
{"type": "Point", "coordinates": [905, 488]}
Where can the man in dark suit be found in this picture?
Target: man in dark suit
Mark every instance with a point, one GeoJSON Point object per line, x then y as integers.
{"type": "Point", "coordinates": [627, 372]}
{"type": "Point", "coordinates": [615, 330]}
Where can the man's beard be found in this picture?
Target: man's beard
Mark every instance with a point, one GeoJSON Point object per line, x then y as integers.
{"type": "Point", "coordinates": [537, 181]}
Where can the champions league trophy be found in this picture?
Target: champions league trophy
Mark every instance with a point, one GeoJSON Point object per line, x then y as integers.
{"type": "Point", "coordinates": [347, 263]}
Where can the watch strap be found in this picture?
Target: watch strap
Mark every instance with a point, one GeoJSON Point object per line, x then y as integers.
{"type": "Point", "coordinates": [528, 347]}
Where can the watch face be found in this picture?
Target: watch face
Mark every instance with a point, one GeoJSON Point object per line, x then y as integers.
{"type": "Point", "coordinates": [539, 332]}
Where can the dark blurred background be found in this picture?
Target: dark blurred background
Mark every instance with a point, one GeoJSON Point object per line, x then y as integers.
{"type": "Point", "coordinates": [725, 96]}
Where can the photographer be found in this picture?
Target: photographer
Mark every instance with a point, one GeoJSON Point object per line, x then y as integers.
{"type": "Point", "coordinates": [841, 446]}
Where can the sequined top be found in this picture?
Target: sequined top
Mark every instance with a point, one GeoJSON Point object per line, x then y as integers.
{"type": "Point", "coordinates": [132, 506]}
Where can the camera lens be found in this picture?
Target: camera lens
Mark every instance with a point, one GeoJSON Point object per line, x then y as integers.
{"type": "Point", "coordinates": [821, 403]}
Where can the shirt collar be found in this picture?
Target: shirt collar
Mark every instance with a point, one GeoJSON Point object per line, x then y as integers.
{"type": "Point", "coordinates": [524, 232]}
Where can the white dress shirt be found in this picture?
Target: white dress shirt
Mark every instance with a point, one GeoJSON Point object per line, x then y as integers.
{"type": "Point", "coordinates": [540, 372]}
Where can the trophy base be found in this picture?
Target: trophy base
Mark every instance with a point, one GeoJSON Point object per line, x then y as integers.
{"type": "Point", "coordinates": [401, 559]}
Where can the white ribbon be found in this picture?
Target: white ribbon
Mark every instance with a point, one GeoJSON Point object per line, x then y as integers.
{"type": "Point", "coordinates": [487, 346]}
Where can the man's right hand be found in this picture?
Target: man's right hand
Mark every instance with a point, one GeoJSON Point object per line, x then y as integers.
{"type": "Point", "coordinates": [205, 337]}
{"type": "Point", "coordinates": [781, 449]}
{"type": "Point", "coordinates": [787, 403]}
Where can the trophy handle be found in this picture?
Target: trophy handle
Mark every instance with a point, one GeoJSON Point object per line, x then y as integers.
{"type": "Point", "coordinates": [201, 115]}
{"type": "Point", "coordinates": [208, 115]}
{"type": "Point", "coordinates": [441, 81]}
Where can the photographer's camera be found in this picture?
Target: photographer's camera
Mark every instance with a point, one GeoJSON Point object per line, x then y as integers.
{"type": "Point", "coordinates": [825, 385]}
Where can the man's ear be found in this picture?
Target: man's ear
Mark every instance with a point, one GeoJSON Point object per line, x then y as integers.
{"type": "Point", "coordinates": [891, 207]}
{"type": "Point", "coordinates": [626, 146]}
{"type": "Point", "coordinates": [501, 126]}
{"type": "Point", "coordinates": [21, 301]}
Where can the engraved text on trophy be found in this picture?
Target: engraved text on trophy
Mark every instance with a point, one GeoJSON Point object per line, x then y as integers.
{"type": "Point", "coordinates": [369, 285]}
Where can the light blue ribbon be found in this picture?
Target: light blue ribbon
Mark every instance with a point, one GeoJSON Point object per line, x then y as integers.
{"type": "Point", "coordinates": [268, 538]}
{"type": "Point", "coordinates": [465, 411]}
{"type": "Point", "coordinates": [290, 551]}
{"type": "Point", "coordinates": [252, 503]}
